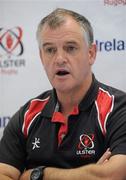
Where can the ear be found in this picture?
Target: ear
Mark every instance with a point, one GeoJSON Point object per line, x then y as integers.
{"type": "Point", "coordinates": [92, 53]}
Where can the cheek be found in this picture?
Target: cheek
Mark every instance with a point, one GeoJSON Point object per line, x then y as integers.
{"type": "Point", "coordinates": [82, 67]}
{"type": "Point", "coordinates": [44, 59]}
{"type": "Point", "coordinates": [49, 70]}
{"type": "Point", "coordinates": [47, 65]}
{"type": "Point", "coordinates": [82, 62]}
{"type": "Point", "coordinates": [45, 62]}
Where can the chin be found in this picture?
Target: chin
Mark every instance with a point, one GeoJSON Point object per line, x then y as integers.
{"type": "Point", "coordinates": [63, 89]}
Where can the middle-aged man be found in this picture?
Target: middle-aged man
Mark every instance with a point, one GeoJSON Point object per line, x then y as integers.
{"type": "Point", "coordinates": [63, 134]}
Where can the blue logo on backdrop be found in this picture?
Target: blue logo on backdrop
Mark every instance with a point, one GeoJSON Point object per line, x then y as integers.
{"type": "Point", "coordinates": [3, 121]}
{"type": "Point", "coordinates": [111, 45]}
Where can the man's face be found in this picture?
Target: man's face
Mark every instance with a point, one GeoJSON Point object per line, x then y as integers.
{"type": "Point", "coordinates": [66, 57]}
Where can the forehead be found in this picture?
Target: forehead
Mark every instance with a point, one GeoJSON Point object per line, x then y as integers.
{"type": "Point", "coordinates": [70, 29]}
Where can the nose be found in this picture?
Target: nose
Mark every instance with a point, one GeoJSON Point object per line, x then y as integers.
{"type": "Point", "coordinates": [60, 57]}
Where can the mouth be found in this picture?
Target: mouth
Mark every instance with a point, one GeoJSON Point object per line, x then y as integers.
{"type": "Point", "coordinates": [62, 73]}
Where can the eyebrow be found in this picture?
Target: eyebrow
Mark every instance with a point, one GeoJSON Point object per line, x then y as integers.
{"type": "Point", "coordinates": [67, 42]}
{"type": "Point", "coordinates": [46, 44]}
{"type": "Point", "coordinates": [71, 42]}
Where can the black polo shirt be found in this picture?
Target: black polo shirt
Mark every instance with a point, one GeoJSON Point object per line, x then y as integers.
{"type": "Point", "coordinates": [39, 135]}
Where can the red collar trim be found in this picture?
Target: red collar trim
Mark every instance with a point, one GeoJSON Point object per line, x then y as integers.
{"type": "Point", "coordinates": [75, 111]}
{"type": "Point", "coordinates": [58, 116]}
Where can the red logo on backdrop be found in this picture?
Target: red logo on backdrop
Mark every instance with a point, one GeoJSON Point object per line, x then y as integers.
{"type": "Point", "coordinates": [115, 2]}
{"type": "Point", "coordinates": [10, 42]}
{"type": "Point", "coordinates": [11, 50]}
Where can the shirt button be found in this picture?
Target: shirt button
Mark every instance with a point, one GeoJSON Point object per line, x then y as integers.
{"type": "Point", "coordinates": [63, 135]}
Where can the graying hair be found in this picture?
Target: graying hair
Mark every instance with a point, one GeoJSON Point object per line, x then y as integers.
{"type": "Point", "coordinates": [58, 18]}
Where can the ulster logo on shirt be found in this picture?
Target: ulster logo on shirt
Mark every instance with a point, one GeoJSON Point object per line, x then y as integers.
{"type": "Point", "coordinates": [85, 147]}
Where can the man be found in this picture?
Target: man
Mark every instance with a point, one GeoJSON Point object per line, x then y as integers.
{"type": "Point", "coordinates": [61, 134]}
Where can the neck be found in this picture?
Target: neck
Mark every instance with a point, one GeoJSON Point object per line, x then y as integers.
{"type": "Point", "coordinates": [69, 100]}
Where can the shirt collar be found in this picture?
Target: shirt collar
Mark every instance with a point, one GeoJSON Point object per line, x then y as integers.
{"type": "Point", "coordinates": [53, 105]}
{"type": "Point", "coordinates": [90, 96]}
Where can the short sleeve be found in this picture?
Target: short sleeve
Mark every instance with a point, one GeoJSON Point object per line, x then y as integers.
{"type": "Point", "coordinates": [116, 130]}
{"type": "Point", "coordinates": [13, 143]}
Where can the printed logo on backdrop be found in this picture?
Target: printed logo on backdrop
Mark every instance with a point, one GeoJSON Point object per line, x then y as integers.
{"type": "Point", "coordinates": [11, 50]}
{"type": "Point", "coordinates": [111, 45]}
{"type": "Point", "coordinates": [4, 121]}
{"type": "Point", "coordinates": [114, 2]}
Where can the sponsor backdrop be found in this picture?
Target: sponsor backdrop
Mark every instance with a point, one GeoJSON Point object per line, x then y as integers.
{"type": "Point", "coordinates": [21, 73]}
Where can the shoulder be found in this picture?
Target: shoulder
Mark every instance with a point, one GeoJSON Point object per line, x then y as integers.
{"type": "Point", "coordinates": [118, 96]}
{"type": "Point", "coordinates": [112, 90]}
{"type": "Point", "coordinates": [31, 107]}
{"type": "Point", "coordinates": [110, 105]}
{"type": "Point", "coordinates": [114, 98]}
{"type": "Point", "coordinates": [36, 102]}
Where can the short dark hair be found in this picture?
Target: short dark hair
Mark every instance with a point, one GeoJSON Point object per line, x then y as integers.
{"type": "Point", "coordinates": [58, 17]}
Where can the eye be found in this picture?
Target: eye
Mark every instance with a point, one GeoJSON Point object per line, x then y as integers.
{"type": "Point", "coordinates": [71, 49]}
{"type": "Point", "coordinates": [50, 50]}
